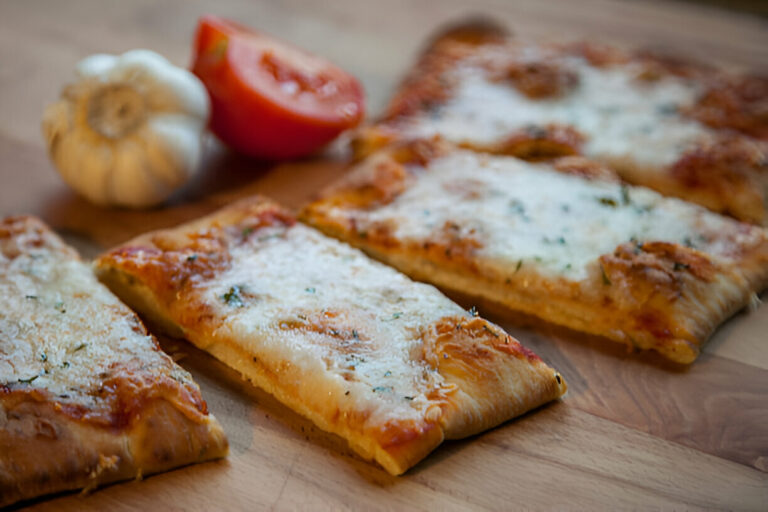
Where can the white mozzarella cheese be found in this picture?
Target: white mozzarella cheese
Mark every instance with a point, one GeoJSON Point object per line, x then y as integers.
{"type": "Point", "coordinates": [622, 117]}
{"type": "Point", "coordinates": [351, 325]}
{"type": "Point", "coordinates": [63, 331]}
{"type": "Point", "coordinates": [533, 215]}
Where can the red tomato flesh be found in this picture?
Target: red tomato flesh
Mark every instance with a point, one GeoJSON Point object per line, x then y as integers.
{"type": "Point", "coordinates": [270, 99]}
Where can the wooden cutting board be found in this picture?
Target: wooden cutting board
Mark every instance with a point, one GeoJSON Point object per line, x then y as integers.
{"type": "Point", "coordinates": [633, 431]}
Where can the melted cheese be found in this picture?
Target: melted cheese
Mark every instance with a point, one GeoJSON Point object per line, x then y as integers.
{"type": "Point", "coordinates": [529, 214]}
{"type": "Point", "coordinates": [62, 331]}
{"type": "Point", "coordinates": [623, 119]}
{"type": "Point", "coordinates": [349, 325]}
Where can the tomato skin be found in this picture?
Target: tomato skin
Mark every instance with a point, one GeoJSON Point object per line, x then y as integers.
{"type": "Point", "coordinates": [271, 100]}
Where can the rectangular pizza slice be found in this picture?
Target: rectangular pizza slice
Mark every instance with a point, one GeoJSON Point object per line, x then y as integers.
{"type": "Point", "coordinates": [86, 395]}
{"type": "Point", "coordinates": [685, 130]}
{"type": "Point", "coordinates": [390, 365]}
{"type": "Point", "coordinates": [564, 241]}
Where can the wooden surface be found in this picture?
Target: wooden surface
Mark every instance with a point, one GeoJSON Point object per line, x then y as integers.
{"type": "Point", "coordinates": [633, 432]}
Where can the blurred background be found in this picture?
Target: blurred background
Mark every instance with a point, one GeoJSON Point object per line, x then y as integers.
{"type": "Point", "coordinates": [42, 40]}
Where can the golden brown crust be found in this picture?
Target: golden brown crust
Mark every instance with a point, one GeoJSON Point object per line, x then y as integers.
{"type": "Point", "coordinates": [537, 143]}
{"type": "Point", "coordinates": [537, 80]}
{"type": "Point", "coordinates": [46, 451]}
{"type": "Point", "coordinates": [653, 295]}
{"type": "Point", "coordinates": [461, 349]}
{"type": "Point", "coordinates": [614, 312]}
{"type": "Point", "coordinates": [731, 106]}
{"type": "Point", "coordinates": [654, 286]}
{"type": "Point", "coordinates": [735, 103]}
{"type": "Point", "coordinates": [427, 84]}
{"type": "Point", "coordinates": [459, 407]}
{"type": "Point", "coordinates": [172, 261]}
{"type": "Point", "coordinates": [716, 174]}
{"type": "Point", "coordinates": [137, 413]}
{"type": "Point", "coordinates": [597, 54]}
{"type": "Point", "coordinates": [475, 31]}
{"type": "Point", "coordinates": [584, 168]}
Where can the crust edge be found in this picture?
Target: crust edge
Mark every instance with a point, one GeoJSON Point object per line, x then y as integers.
{"type": "Point", "coordinates": [51, 452]}
{"type": "Point", "coordinates": [396, 458]}
{"type": "Point", "coordinates": [678, 350]}
{"type": "Point", "coordinates": [141, 298]}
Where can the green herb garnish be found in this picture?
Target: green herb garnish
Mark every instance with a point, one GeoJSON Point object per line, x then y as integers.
{"type": "Point", "coordinates": [625, 195]}
{"type": "Point", "coordinates": [270, 237]}
{"type": "Point", "coordinates": [518, 208]}
{"type": "Point", "coordinates": [666, 109]}
{"type": "Point", "coordinates": [233, 298]}
{"type": "Point", "coordinates": [606, 281]}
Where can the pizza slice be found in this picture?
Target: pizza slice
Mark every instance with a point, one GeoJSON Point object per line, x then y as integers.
{"type": "Point", "coordinates": [86, 395]}
{"type": "Point", "coordinates": [390, 365]}
{"type": "Point", "coordinates": [567, 242]}
{"type": "Point", "coordinates": [685, 130]}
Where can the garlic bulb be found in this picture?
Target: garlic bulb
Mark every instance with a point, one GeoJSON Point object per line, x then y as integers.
{"type": "Point", "coordinates": [128, 131]}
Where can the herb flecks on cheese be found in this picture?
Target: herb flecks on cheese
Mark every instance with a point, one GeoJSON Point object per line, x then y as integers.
{"type": "Point", "coordinates": [619, 115]}
{"type": "Point", "coordinates": [679, 128]}
{"type": "Point", "coordinates": [86, 395]}
{"type": "Point", "coordinates": [341, 315]}
{"type": "Point", "coordinates": [64, 334]}
{"type": "Point", "coordinates": [391, 365]}
{"type": "Point", "coordinates": [560, 224]}
{"type": "Point", "coordinates": [587, 252]}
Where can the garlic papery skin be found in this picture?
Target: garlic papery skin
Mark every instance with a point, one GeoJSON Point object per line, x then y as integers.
{"type": "Point", "coordinates": [128, 132]}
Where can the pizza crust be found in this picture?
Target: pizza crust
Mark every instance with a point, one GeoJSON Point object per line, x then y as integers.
{"type": "Point", "coordinates": [45, 451]}
{"type": "Point", "coordinates": [556, 304]}
{"type": "Point", "coordinates": [683, 129]}
{"type": "Point", "coordinates": [501, 229]}
{"type": "Point", "coordinates": [475, 389]}
{"type": "Point", "coordinates": [86, 395]}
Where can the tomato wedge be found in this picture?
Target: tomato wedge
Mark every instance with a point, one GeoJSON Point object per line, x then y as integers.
{"type": "Point", "coordinates": [270, 99]}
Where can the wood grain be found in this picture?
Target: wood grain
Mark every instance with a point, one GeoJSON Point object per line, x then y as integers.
{"type": "Point", "coordinates": [279, 459]}
{"type": "Point", "coordinates": [634, 432]}
{"type": "Point", "coordinates": [693, 406]}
